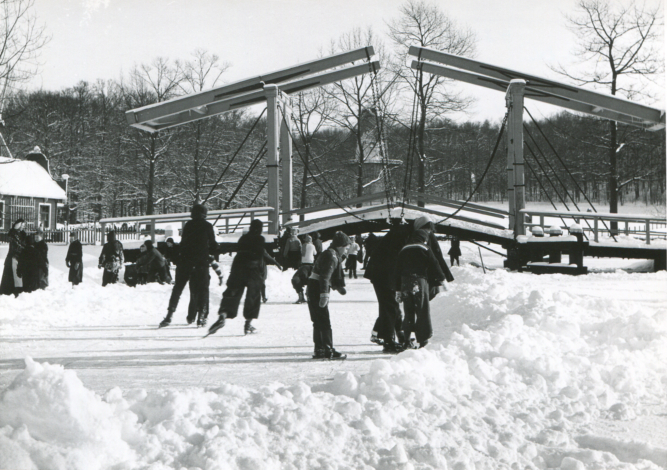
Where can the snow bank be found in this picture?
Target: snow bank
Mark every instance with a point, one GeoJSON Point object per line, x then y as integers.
{"type": "Point", "coordinates": [518, 370]}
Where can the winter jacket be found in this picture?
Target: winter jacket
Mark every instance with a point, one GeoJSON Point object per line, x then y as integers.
{"type": "Point", "coordinates": [328, 270]}
{"type": "Point", "coordinates": [33, 266]}
{"type": "Point", "coordinates": [307, 253]}
{"type": "Point", "coordinates": [250, 260]}
{"type": "Point", "coordinates": [151, 262]}
{"type": "Point", "coordinates": [353, 249]}
{"type": "Point", "coordinates": [197, 243]}
{"type": "Point", "coordinates": [317, 243]}
{"type": "Point", "coordinates": [418, 261]}
{"type": "Point", "coordinates": [112, 257]}
{"type": "Point", "coordinates": [74, 253]}
{"type": "Point", "coordinates": [381, 268]}
{"type": "Point", "coordinates": [292, 244]}
{"type": "Point", "coordinates": [17, 242]}
{"type": "Point", "coordinates": [435, 247]}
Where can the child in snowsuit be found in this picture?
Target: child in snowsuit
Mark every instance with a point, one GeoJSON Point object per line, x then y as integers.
{"type": "Point", "coordinates": [74, 260]}
{"type": "Point", "coordinates": [247, 272]}
{"type": "Point", "coordinates": [11, 282]}
{"type": "Point", "coordinates": [416, 269]}
{"type": "Point", "coordinates": [327, 274]}
{"type": "Point", "coordinates": [111, 259]}
{"type": "Point", "coordinates": [292, 251]}
{"type": "Point", "coordinates": [300, 278]}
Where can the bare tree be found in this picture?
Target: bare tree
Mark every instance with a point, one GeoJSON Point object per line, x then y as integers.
{"type": "Point", "coordinates": [616, 40]}
{"type": "Point", "coordinates": [21, 38]}
{"type": "Point", "coordinates": [152, 83]}
{"type": "Point", "coordinates": [202, 72]}
{"type": "Point", "coordinates": [423, 24]}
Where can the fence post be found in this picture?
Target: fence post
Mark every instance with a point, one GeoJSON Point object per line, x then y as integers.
{"type": "Point", "coordinates": [153, 231]}
{"type": "Point", "coordinates": [103, 227]}
{"type": "Point", "coordinates": [648, 231]}
{"type": "Point", "coordinates": [595, 229]}
{"type": "Point", "coordinates": [627, 228]}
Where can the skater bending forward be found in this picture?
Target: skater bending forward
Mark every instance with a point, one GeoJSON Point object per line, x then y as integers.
{"type": "Point", "coordinates": [327, 274]}
{"type": "Point", "coordinates": [247, 271]}
{"type": "Point", "coordinates": [416, 267]}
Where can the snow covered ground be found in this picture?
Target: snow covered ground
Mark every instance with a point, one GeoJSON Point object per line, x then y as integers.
{"type": "Point", "coordinates": [524, 371]}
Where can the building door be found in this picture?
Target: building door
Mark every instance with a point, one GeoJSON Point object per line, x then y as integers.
{"type": "Point", "coordinates": [45, 216]}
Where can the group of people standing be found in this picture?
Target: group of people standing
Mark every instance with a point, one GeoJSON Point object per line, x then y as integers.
{"type": "Point", "coordinates": [26, 265]}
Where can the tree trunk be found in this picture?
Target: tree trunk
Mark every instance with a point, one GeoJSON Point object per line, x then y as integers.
{"type": "Point", "coordinates": [151, 178]}
{"type": "Point", "coordinates": [304, 181]}
{"type": "Point", "coordinates": [420, 157]}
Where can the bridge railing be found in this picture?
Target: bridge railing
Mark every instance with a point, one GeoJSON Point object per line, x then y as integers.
{"type": "Point", "coordinates": [643, 225]}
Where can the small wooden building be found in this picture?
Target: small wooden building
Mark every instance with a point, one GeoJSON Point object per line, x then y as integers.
{"type": "Point", "coordinates": [28, 191]}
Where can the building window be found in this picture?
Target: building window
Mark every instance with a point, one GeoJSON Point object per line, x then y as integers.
{"type": "Point", "coordinates": [2, 215]}
{"type": "Point", "coordinates": [45, 216]}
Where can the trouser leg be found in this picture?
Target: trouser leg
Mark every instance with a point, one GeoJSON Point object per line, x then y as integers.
{"type": "Point", "coordinates": [182, 277]}
{"type": "Point", "coordinates": [410, 316]}
{"type": "Point", "coordinates": [231, 298]}
{"type": "Point", "coordinates": [389, 321]}
{"type": "Point", "coordinates": [253, 299]}
{"type": "Point", "coordinates": [423, 327]}
{"type": "Point", "coordinates": [199, 284]}
{"type": "Point", "coordinates": [18, 282]}
{"type": "Point", "coordinates": [322, 334]}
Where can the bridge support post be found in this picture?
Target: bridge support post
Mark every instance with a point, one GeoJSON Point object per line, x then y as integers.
{"type": "Point", "coordinates": [286, 159]}
{"type": "Point", "coordinates": [272, 136]}
{"type": "Point", "coordinates": [515, 163]}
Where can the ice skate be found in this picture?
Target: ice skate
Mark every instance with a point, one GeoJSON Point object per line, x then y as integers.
{"type": "Point", "coordinates": [248, 329]}
{"type": "Point", "coordinates": [377, 340]}
{"type": "Point", "coordinates": [320, 354]}
{"type": "Point", "coordinates": [166, 321]}
{"type": "Point", "coordinates": [335, 355]}
{"type": "Point", "coordinates": [219, 323]}
{"type": "Point", "coordinates": [393, 348]}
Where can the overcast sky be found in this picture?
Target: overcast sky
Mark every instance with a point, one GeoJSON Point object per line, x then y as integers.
{"type": "Point", "coordinates": [104, 39]}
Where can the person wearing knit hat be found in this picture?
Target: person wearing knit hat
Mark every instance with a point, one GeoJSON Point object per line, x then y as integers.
{"type": "Point", "coordinates": [423, 222]}
{"type": "Point", "coordinates": [416, 269]}
{"type": "Point", "coordinates": [327, 274]}
{"type": "Point", "coordinates": [197, 245]}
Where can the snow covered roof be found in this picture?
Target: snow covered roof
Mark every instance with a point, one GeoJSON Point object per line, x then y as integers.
{"type": "Point", "coordinates": [27, 179]}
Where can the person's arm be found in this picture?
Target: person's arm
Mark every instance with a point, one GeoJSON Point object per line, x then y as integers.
{"type": "Point", "coordinates": [70, 254]}
{"type": "Point", "coordinates": [328, 265]}
{"type": "Point", "coordinates": [434, 271]}
{"type": "Point", "coordinates": [435, 247]}
{"type": "Point", "coordinates": [212, 244]}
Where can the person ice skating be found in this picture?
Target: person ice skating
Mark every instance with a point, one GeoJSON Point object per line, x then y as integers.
{"type": "Point", "coordinates": [292, 250]}
{"type": "Point", "coordinates": [194, 306]}
{"type": "Point", "coordinates": [197, 244]}
{"type": "Point", "coordinates": [247, 272]}
{"type": "Point", "coordinates": [111, 259]}
{"type": "Point", "coordinates": [170, 252]}
{"type": "Point", "coordinates": [381, 271]}
{"type": "Point", "coordinates": [416, 269]}
{"type": "Point", "coordinates": [151, 265]}
{"type": "Point", "coordinates": [74, 260]}
{"type": "Point", "coordinates": [11, 283]}
{"type": "Point", "coordinates": [141, 266]}
{"type": "Point", "coordinates": [300, 278]}
{"type": "Point", "coordinates": [33, 264]}
{"type": "Point", "coordinates": [327, 274]}
{"type": "Point", "coordinates": [351, 263]}
{"type": "Point", "coordinates": [455, 251]}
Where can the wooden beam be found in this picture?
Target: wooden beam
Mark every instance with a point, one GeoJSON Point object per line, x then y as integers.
{"type": "Point", "coordinates": [196, 100]}
{"type": "Point", "coordinates": [612, 103]}
{"type": "Point", "coordinates": [470, 207]}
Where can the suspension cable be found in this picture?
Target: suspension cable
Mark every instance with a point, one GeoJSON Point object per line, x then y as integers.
{"type": "Point", "coordinates": [546, 175]}
{"type": "Point", "coordinates": [234, 156]}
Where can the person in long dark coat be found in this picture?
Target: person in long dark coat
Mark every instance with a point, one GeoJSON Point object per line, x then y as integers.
{"type": "Point", "coordinates": [327, 274]}
{"type": "Point", "coordinates": [197, 244]}
{"type": "Point", "coordinates": [247, 272]}
{"type": "Point", "coordinates": [11, 283]}
{"type": "Point", "coordinates": [417, 272]}
{"type": "Point", "coordinates": [111, 259]}
{"type": "Point", "coordinates": [381, 271]}
{"type": "Point", "coordinates": [74, 260]}
{"type": "Point", "coordinates": [454, 251]}
{"type": "Point", "coordinates": [33, 264]}
{"type": "Point", "coordinates": [370, 244]}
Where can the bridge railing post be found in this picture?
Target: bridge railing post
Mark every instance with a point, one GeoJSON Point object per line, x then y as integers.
{"type": "Point", "coordinates": [595, 229]}
{"type": "Point", "coordinates": [648, 231]}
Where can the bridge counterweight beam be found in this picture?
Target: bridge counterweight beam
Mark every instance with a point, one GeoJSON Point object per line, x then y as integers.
{"type": "Point", "coordinates": [272, 136]}
{"type": "Point", "coordinates": [515, 163]}
{"type": "Point", "coordinates": [286, 159]}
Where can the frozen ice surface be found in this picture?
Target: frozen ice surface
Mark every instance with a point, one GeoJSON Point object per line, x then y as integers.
{"type": "Point", "coordinates": [524, 371]}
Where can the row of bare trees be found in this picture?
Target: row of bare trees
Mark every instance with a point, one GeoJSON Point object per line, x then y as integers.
{"type": "Point", "coordinates": [118, 170]}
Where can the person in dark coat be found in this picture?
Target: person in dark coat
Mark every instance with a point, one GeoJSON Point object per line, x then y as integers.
{"type": "Point", "coordinates": [247, 272]}
{"type": "Point", "coordinates": [111, 259]}
{"type": "Point", "coordinates": [369, 244]}
{"type": "Point", "coordinates": [381, 271]}
{"type": "Point", "coordinates": [170, 252]}
{"type": "Point", "coordinates": [417, 271]}
{"type": "Point", "coordinates": [11, 283]}
{"type": "Point", "coordinates": [455, 251]}
{"type": "Point", "coordinates": [317, 243]}
{"type": "Point", "coordinates": [197, 244]}
{"type": "Point", "coordinates": [292, 250]}
{"type": "Point", "coordinates": [424, 223]}
{"type": "Point", "coordinates": [74, 260]}
{"type": "Point", "coordinates": [33, 264]}
{"type": "Point", "coordinates": [327, 274]}
{"type": "Point", "coordinates": [153, 264]}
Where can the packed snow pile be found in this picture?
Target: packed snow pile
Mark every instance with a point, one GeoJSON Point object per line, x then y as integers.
{"type": "Point", "coordinates": [518, 371]}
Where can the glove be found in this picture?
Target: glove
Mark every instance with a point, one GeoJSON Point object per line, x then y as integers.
{"type": "Point", "coordinates": [324, 300]}
{"type": "Point", "coordinates": [99, 266]}
{"type": "Point", "coordinates": [399, 296]}
{"type": "Point", "coordinates": [220, 281]}
{"type": "Point", "coordinates": [341, 290]}
{"type": "Point", "coordinates": [67, 264]}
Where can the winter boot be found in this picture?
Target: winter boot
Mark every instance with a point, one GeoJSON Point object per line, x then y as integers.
{"type": "Point", "coordinates": [248, 328]}
{"type": "Point", "coordinates": [166, 321]}
{"type": "Point", "coordinates": [301, 300]}
{"type": "Point", "coordinates": [201, 321]}
{"type": "Point", "coordinates": [331, 353]}
{"type": "Point", "coordinates": [375, 339]}
{"type": "Point", "coordinates": [393, 348]}
{"type": "Point", "coordinates": [320, 354]}
{"type": "Point", "coordinates": [220, 322]}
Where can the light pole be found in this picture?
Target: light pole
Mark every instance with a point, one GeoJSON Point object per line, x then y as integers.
{"type": "Point", "coordinates": [65, 176]}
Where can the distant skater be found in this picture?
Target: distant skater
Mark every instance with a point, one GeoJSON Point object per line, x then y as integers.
{"type": "Point", "coordinates": [33, 265]}
{"type": "Point", "coordinates": [455, 251]}
{"type": "Point", "coordinates": [11, 281]}
{"type": "Point", "coordinates": [111, 259]}
{"type": "Point", "coordinates": [74, 260]}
